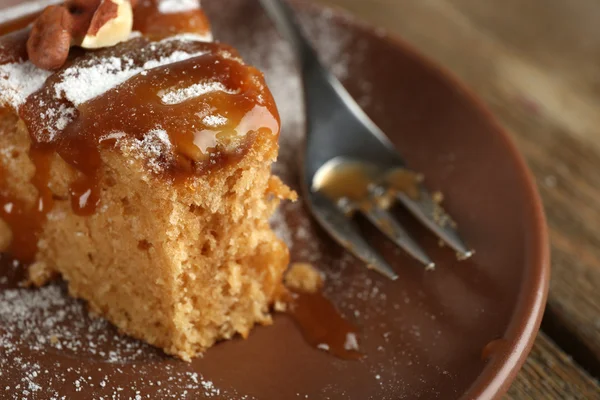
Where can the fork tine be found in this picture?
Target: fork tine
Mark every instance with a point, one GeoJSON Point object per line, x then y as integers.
{"type": "Point", "coordinates": [343, 230]}
{"type": "Point", "coordinates": [387, 224]}
{"type": "Point", "coordinates": [433, 217]}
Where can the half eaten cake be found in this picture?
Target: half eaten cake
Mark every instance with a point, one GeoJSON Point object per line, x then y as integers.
{"type": "Point", "coordinates": [141, 174]}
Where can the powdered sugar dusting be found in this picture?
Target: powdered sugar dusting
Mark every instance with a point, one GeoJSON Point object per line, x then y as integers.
{"type": "Point", "coordinates": [273, 56]}
{"type": "Point", "coordinates": [291, 222]}
{"type": "Point", "coordinates": [37, 318]}
{"type": "Point", "coordinates": [280, 227]}
{"type": "Point", "coordinates": [214, 121]}
{"type": "Point", "coordinates": [151, 149]}
{"type": "Point", "coordinates": [47, 320]}
{"type": "Point", "coordinates": [18, 81]}
{"type": "Point", "coordinates": [81, 84]}
{"type": "Point", "coordinates": [192, 37]}
{"type": "Point", "coordinates": [177, 6]}
{"type": "Point", "coordinates": [179, 95]}
{"type": "Point", "coordinates": [113, 136]}
{"type": "Point", "coordinates": [59, 117]}
{"type": "Point", "coordinates": [94, 76]}
{"type": "Point", "coordinates": [160, 136]}
{"type": "Point", "coordinates": [174, 57]}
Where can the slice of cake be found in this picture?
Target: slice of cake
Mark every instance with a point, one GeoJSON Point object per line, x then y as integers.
{"type": "Point", "coordinates": [141, 172]}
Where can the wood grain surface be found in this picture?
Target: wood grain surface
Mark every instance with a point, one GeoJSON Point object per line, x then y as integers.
{"type": "Point", "coordinates": [537, 65]}
{"type": "Point", "coordinates": [551, 374]}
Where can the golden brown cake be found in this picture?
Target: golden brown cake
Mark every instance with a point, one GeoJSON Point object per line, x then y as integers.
{"type": "Point", "coordinates": [141, 174]}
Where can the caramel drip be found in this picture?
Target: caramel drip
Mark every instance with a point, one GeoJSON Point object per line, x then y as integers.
{"type": "Point", "coordinates": [323, 326]}
{"type": "Point", "coordinates": [236, 94]}
{"type": "Point", "coordinates": [152, 23]}
{"type": "Point", "coordinates": [135, 108]}
{"type": "Point", "coordinates": [24, 221]}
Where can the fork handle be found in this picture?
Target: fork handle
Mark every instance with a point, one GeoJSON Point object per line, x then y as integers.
{"type": "Point", "coordinates": [287, 24]}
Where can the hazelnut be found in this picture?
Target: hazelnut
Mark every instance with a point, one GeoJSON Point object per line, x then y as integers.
{"type": "Point", "coordinates": [112, 23]}
{"type": "Point", "coordinates": [82, 11]}
{"type": "Point", "coordinates": [50, 39]}
{"type": "Point", "coordinates": [89, 23]}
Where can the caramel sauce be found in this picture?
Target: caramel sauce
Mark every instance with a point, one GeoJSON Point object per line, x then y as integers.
{"type": "Point", "coordinates": [350, 180]}
{"type": "Point", "coordinates": [23, 219]}
{"type": "Point", "coordinates": [354, 182]}
{"type": "Point", "coordinates": [154, 24]}
{"type": "Point", "coordinates": [323, 326]}
{"type": "Point", "coordinates": [134, 108]}
{"type": "Point", "coordinates": [402, 180]}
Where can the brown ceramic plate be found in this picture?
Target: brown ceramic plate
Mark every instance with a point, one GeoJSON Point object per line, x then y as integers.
{"type": "Point", "coordinates": [462, 331]}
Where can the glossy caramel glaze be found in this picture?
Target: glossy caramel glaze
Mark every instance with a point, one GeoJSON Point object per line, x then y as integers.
{"type": "Point", "coordinates": [349, 180]}
{"type": "Point", "coordinates": [364, 185]}
{"type": "Point", "coordinates": [152, 23]}
{"type": "Point", "coordinates": [403, 180]}
{"type": "Point", "coordinates": [136, 108]}
{"type": "Point", "coordinates": [177, 86]}
{"type": "Point", "coordinates": [23, 219]}
{"type": "Point", "coordinates": [209, 104]}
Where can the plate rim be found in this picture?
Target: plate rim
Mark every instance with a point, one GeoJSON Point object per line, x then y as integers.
{"type": "Point", "coordinates": [496, 378]}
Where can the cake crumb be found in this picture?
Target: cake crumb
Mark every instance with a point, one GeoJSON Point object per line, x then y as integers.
{"type": "Point", "coordinates": [304, 278]}
{"type": "Point", "coordinates": [39, 274]}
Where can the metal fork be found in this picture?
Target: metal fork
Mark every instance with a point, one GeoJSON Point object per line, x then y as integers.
{"type": "Point", "coordinates": [341, 137]}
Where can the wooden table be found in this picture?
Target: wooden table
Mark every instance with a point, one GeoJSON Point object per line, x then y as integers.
{"type": "Point", "coordinates": [537, 65]}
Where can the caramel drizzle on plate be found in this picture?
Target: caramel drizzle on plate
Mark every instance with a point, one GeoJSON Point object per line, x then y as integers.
{"type": "Point", "coordinates": [323, 326]}
{"type": "Point", "coordinates": [134, 108]}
